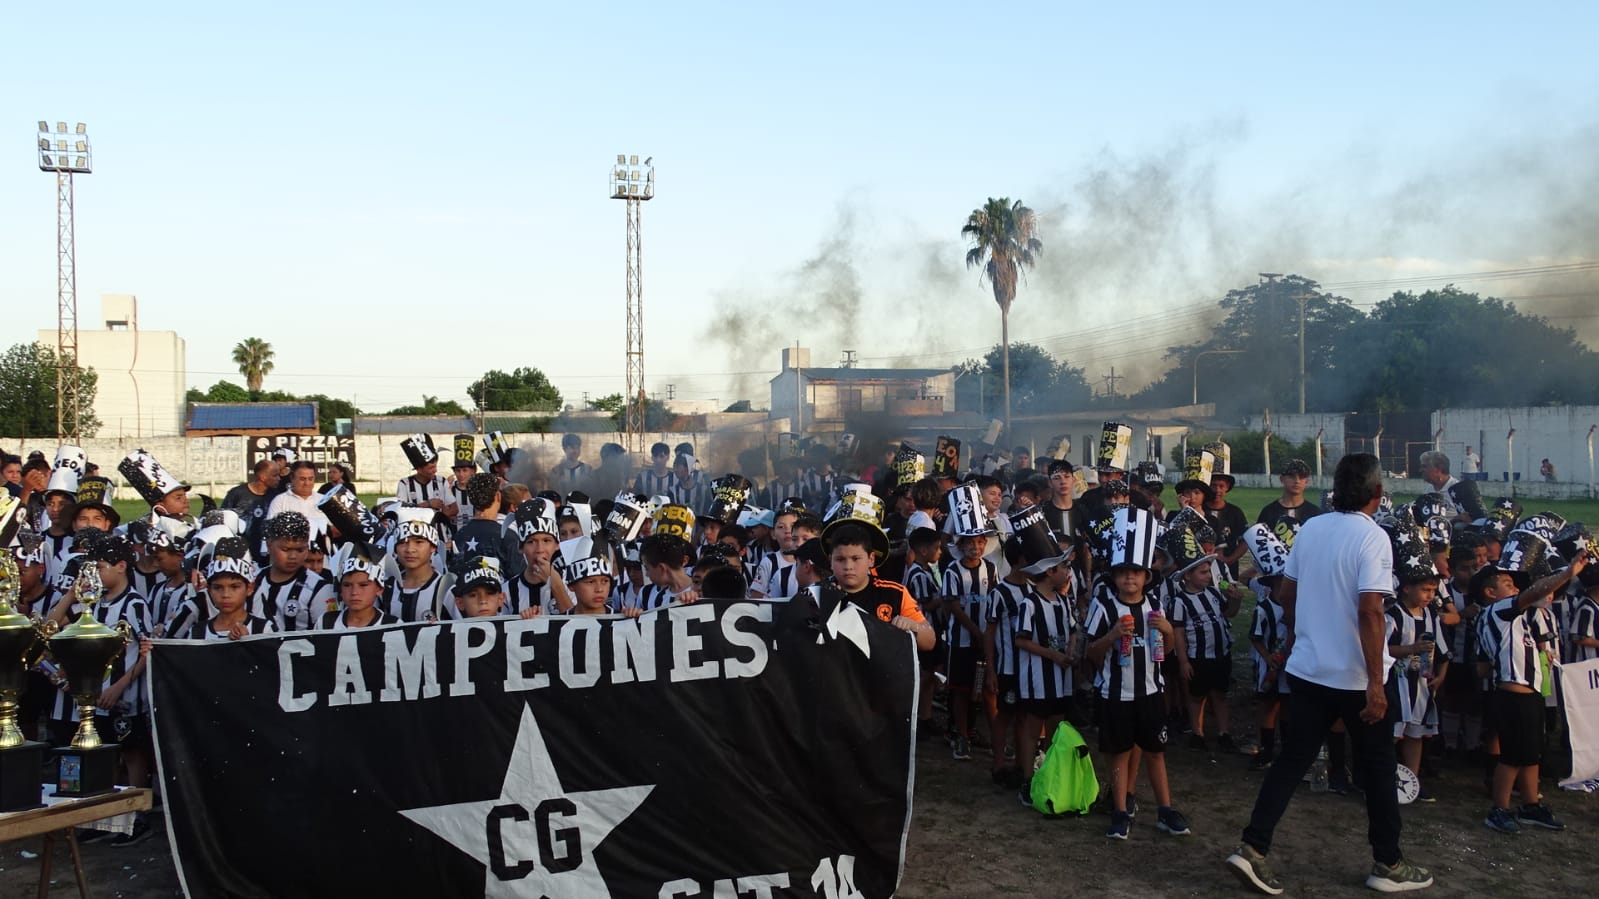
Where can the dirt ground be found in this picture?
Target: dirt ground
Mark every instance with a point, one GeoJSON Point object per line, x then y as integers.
{"type": "Point", "coordinates": [971, 838]}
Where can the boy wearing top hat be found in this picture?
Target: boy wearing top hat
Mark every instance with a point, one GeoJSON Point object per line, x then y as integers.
{"type": "Point", "coordinates": [589, 571]}
{"type": "Point", "coordinates": [1048, 642]}
{"type": "Point", "coordinates": [855, 542]}
{"type": "Point", "coordinates": [1201, 615]}
{"type": "Point", "coordinates": [423, 487]}
{"type": "Point", "coordinates": [418, 593]}
{"type": "Point", "coordinates": [967, 580]}
{"type": "Point", "coordinates": [1421, 660]}
{"type": "Point", "coordinates": [1121, 628]}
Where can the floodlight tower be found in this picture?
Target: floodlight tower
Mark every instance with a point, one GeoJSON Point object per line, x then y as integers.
{"type": "Point", "coordinates": [634, 182]}
{"type": "Point", "coordinates": [66, 155]}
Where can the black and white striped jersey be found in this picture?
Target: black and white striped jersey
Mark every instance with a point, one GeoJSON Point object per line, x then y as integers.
{"type": "Point", "coordinates": [519, 595]}
{"type": "Point", "coordinates": [1141, 676]}
{"type": "Point", "coordinates": [1268, 627]}
{"type": "Point", "coordinates": [185, 618]}
{"type": "Point", "coordinates": [654, 597]}
{"type": "Point", "coordinates": [294, 604]}
{"type": "Point", "coordinates": [1405, 629]}
{"type": "Point", "coordinates": [1004, 612]}
{"type": "Point", "coordinates": [925, 586]}
{"type": "Point", "coordinates": [1048, 621]}
{"type": "Point", "coordinates": [206, 630]}
{"type": "Point", "coordinates": [778, 490]}
{"type": "Point", "coordinates": [694, 492]}
{"type": "Point", "coordinates": [131, 606]}
{"type": "Point", "coordinates": [57, 551]}
{"type": "Point", "coordinates": [1584, 625]}
{"type": "Point", "coordinates": [144, 582]}
{"type": "Point", "coordinates": [652, 485]}
{"type": "Point", "coordinates": [816, 489]}
{"type": "Point", "coordinates": [764, 569]}
{"type": "Point", "coordinates": [969, 587]}
{"type": "Point", "coordinates": [1206, 629]}
{"type": "Point", "coordinates": [567, 478]}
{"type": "Point", "coordinates": [429, 602]}
{"type": "Point", "coordinates": [166, 600]}
{"type": "Point", "coordinates": [336, 621]}
{"type": "Point", "coordinates": [463, 508]}
{"type": "Point", "coordinates": [782, 584]}
{"type": "Point", "coordinates": [1509, 640]}
{"type": "Point", "coordinates": [411, 492]}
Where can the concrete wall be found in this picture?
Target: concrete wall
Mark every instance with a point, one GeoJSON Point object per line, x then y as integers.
{"type": "Point", "coordinates": [1525, 491]}
{"type": "Point", "coordinates": [1557, 432]}
{"type": "Point", "coordinates": [1296, 428]}
{"type": "Point", "coordinates": [141, 379]}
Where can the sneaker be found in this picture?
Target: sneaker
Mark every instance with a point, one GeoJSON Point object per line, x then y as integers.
{"type": "Point", "coordinates": [1197, 741]}
{"type": "Point", "coordinates": [963, 749]}
{"type": "Point", "coordinates": [1401, 877]}
{"type": "Point", "coordinates": [1252, 869]}
{"type": "Point", "coordinates": [1010, 752]}
{"type": "Point", "coordinates": [1261, 762]}
{"type": "Point", "coordinates": [1501, 820]}
{"type": "Point", "coordinates": [1225, 743]}
{"type": "Point", "coordinates": [1132, 806]}
{"type": "Point", "coordinates": [1172, 821]}
{"type": "Point", "coordinates": [1338, 782]}
{"type": "Point", "coordinates": [140, 833]}
{"type": "Point", "coordinates": [1539, 816]}
{"type": "Point", "coordinates": [973, 738]}
{"type": "Point", "coordinates": [1425, 794]}
{"type": "Point", "coordinates": [1120, 824]}
{"type": "Point", "coordinates": [1025, 794]}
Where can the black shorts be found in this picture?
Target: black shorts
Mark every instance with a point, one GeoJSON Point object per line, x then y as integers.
{"type": "Point", "coordinates": [1006, 695]}
{"type": "Point", "coordinates": [1211, 676]}
{"type": "Point", "coordinates": [962, 666]}
{"type": "Point", "coordinates": [1060, 707]}
{"type": "Point", "coordinates": [1141, 723]}
{"type": "Point", "coordinates": [1518, 718]}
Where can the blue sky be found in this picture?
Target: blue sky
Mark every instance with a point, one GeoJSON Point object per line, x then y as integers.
{"type": "Point", "coordinates": [399, 197]}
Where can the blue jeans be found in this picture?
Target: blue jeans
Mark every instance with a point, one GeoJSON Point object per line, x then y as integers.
{"type": "Point", "coordinates": [1312, 710]}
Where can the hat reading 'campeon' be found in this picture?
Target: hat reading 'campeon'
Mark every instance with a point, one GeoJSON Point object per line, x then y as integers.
{"type": "Point", "coordinates": [419, 450]}
{"type": "Point", "coordinates": [628, 513]}
{"type": "Point", "coordinates": [729, 492]}
{"type": "Point", "coordinates": [535, 516]}
{"type": "Point", "coordinates": [146, 476]}
{"type": "Point", "coordinates": [63, 480]}
{"type": "Point", "coordinates": [1133, 534]}
{"type": "Point", "coordinates": [859, 507]}
{"type": "Point", "coordinates": [1271, 554]}
{"type": "Point", "coordinates": [1183, 545]}
{"type": "Point", "coordinates": [1040, 550]}
{"type": "Point", "coordinates": [413, 521]}
{"type": "Point", "coordinates": [344, 510]}
{"type": "Point", "coordinates": [909, 465]}
{"type": "Point", "coordinates": [479, 571]}
{"type": "Point", "coordinates": [967, 516]}
{"type": "Point", "coordinates": [1115, 447]}
{"type": "Point", "coordinates": [586, 557]}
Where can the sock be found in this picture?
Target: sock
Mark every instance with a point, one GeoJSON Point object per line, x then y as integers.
{"type": "Point", "coordinates": [1267, 738]}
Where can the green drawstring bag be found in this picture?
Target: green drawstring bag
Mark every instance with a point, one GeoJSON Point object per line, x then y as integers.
{"type": "Point", "coordinates": [1548, 676]}
{"type": "Point", "coordinates": [1065, 784]}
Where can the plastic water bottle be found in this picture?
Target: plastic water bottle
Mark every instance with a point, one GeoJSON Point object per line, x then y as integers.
{"type": "Point", "coordinates": [1157, 640]}
{"type": "Point", "coordinates": [1127, 643]}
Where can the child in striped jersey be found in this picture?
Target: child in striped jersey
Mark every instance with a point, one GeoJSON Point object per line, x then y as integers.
{"type": "Point", "coordinates": [1582, 637]}
{"type": "Point", "coordinates": [1049, 642]}
{"type": "Point", "coordinates": [783, 532]}
{"type": "Point", "coordinates": [922, 582]}
{"type": "Point", "coordinates": [1509, 633]}
{"type": "Point", "coordinates": [1203, 614]}
{"type": "Point", "coordinates": [1006, 716]}
{"type": "Point", "coordinates": [782, 584]}
{"type": "Point", "coordinates": [967, 579]}
{"type": "Point", "coordinates": [288, 594]}
{"type": "Point", "coordinates": [1121, 631]}
{"type": "Point", "coordinates": [539, 589]}
{"type": "Point", "coordinates": [1420, 663]}
{"type": "Point", "coordinates": [361, 580]}
{"type": "Point", "coordinates": [1268, 638]}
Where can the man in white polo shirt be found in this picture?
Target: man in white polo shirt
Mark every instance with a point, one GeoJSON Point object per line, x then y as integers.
{"type": "Point", "coordinates": [1338, 577]}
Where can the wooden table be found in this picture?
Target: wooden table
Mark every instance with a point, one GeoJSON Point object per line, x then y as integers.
{"type": "Point", "coordinates": [58, 822]}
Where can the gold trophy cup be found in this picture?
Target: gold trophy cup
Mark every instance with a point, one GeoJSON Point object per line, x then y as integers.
{"type": "Point", "coordinates": [21, 641]}
{"type": "Point", "coordinates": [84, 651]}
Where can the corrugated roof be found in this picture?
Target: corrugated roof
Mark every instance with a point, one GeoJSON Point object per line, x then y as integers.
{"type": "Point", "coordinates": [871, 374]}
{"type": "Point", "coordinates": [414, 424]}
{"type": "Point", "coordinates": [251, 416]}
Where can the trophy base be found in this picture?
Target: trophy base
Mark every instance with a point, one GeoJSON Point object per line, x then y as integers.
{"type": "Point", "coordinates": [86, 772]}
{"type": "Point", "coordinates": [21, 773]}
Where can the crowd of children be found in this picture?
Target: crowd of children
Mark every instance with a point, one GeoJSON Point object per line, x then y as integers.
{"type": "Point", "coordinates": [1033, 601]}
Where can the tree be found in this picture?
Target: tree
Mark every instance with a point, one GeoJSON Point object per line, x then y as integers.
{"type": "Point", "coordinates": [431, 405]}
{"type": "Point", "coordinates": [1004, 243]}
{"type": "Point", "coordinates": [253, 356]}
{"type": "Point", "coordinates": [329, 411]}
{"type": "Point", "coordinates": [1039, 382]}
{"type": "Point", "coordinates": [523, 390]}
{"type": "Point", "coordinates": [220, 392]}
{"type": "Point", "coordinates": [28, 392]}
{"type": "Point", "coordinates": [611, 402]}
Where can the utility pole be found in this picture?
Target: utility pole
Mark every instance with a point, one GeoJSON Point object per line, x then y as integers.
{"type": "Point", "coordinates": [671, 392]}
{"type": "Point", "coordinates": [1302, 298]}
{"type": "Point", "coordinates": [1110, 383]}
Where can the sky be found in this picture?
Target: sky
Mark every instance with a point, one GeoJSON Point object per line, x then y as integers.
{"type": "Point", "coordinates": [399, 197]}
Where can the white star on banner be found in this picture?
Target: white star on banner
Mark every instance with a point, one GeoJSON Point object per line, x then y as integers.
{"type": "Point", "coordinates": [535, 839]}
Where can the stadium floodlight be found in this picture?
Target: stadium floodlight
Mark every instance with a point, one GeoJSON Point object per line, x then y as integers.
{"type": "Point", "coordinates": [44, 127]}
{"type": "Point", "coordinates": [62, 154]}
{"type": "Point", "coordinates": [82, 128]}
{"type": "Point", "coordinates": [61, 127]}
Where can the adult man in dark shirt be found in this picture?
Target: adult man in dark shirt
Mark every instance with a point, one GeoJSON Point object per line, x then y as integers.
{"type": "Point", "coordinates": [1292, 505]}
{"type": "Point", "coordinates": [252, 499]}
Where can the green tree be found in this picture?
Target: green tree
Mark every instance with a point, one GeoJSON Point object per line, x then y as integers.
{"type": "Point", "coordinates": [1004, 238]}
{"type": "Point", "coordinates": [220, 392]}
{"type": "Point", "coordinates": [329, 410]}
{"type": "Point", "coordinates": [431, 405]}
{"type": "Point", "coordinates": [611, 402]}
{"type": "Point", "coordinates": [28, 392]}
{"type": "Point", "coordinates": [1039, 382]}
{"type": "Point", "coordinates": [523, 390]}
{"type": "Point", "coordinates": [253, 356]}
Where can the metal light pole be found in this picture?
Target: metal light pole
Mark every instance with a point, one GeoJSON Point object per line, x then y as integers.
{"type": "Point", "coordinates": [66, 155]}
{"type": "Point", "coordinates": [1302, 298]}
{"type": "Point", "coordinates": [634, 182]}
{"type": "Point", "coordinates": [1196, 366]}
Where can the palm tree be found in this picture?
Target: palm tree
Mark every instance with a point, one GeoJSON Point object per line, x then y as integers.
{"type": "Point", "coordinates": [1004, 242]}
{"type": "Point", "coordinates": [253, 356]}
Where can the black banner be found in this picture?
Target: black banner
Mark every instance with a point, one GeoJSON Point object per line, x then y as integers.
{"type": "Point", "coordinates": [719, 749]}
{"type": "Point", "coordinates": [321, 449]}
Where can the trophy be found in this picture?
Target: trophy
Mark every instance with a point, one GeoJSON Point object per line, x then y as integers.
{"type": "Point", "coordinates": [21, 641]}
{"type": "Point", "coordinates": [83, 651]}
